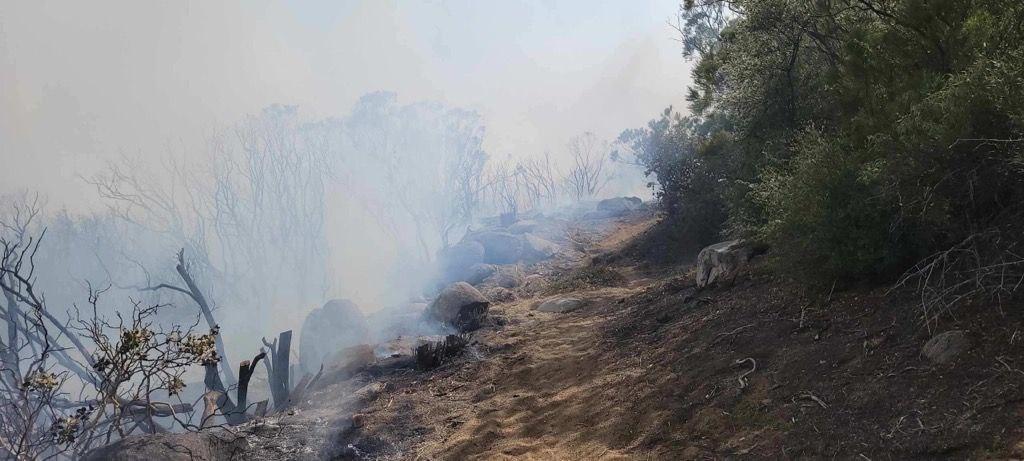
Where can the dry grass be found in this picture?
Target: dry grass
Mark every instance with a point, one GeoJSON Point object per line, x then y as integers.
{"type": "Point", "coordinates": [586, 278]}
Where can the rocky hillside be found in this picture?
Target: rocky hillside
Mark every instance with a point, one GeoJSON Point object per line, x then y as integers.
{"type": "Point", "coordinates": [592, 351]}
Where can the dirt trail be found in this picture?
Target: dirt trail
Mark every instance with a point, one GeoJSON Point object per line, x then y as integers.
{"type": "Point", "coordinates": [650, 367]}
{"type": "Point", "coordinates": [535, 385]}
{"type": "Point", "coordinates": [527, 387]}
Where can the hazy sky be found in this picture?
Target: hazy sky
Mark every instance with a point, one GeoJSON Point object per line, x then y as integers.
{"type": "Point", "coordinates": [84, 81]}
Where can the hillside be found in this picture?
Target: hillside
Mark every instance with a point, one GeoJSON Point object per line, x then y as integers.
{"type": "Point", "coordinates": [655, 368]}
{"type": "Point", "coordinates": [651, 367]}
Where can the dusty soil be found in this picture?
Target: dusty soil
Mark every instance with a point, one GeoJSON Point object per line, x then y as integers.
{"type": "Point", "coordinates": [653, 368]}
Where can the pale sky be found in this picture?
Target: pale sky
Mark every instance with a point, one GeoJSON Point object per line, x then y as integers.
{"type": "Point", "coordinates": [81, 82]}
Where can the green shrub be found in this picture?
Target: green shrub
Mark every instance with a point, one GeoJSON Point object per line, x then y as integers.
{"type": "Point", "coordinates": [828, 215]}
{"type": "Point", "coordinates": [683, 155]}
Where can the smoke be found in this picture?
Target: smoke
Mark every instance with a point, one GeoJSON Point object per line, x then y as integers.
{"type": "Point", "coordinates": [183, 98]}
{"type": "Point", "coordinates": [84, 83]}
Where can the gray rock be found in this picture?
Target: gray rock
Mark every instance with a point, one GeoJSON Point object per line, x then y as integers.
{"type": "Point", "coordinates": [335, 326]}
{"type": "Point", "coordinates": [457, 260]}
{"type": "Point", "coordinates": [477, 273]}
{"type": "Point", "coordinates": [459, 305]}
{"type": "Point", "coordinates": [500, 247]}
{"type": "Point", "coordinates": [370, 391]}
{"type": "Point", "coordinates": [619, 205]}
{"type": "Point", "coordinates": [560, 305]}
{"type": "Point", "coordinates": [722, 261]}
{"type": "Point", "coordinates": [945, 347]}
{"type": "Point", "coordinates": [507, 277]}
{"type": "Point", "coordinates": [345, 363]}
{"type": "Point", "coordinates": [537, 249]}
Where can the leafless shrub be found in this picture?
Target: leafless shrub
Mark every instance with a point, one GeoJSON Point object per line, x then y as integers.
{"type": "Point", "coordinates": [252, 210]}
{"type": "Point", "coordinates": [541, 179]}
{"type": "Point", "coordinates": [509, 190]}
{"type": "Point", "coordinates": [985, 266]}
{"type": "Point", "coordinates": [586, 175]}
{"type": "Point", "coordinates": [63, 400]}
{"type": "Point", "coordinates": [418, 167]}
{"type": "Point", "coordinates": [519, 186]}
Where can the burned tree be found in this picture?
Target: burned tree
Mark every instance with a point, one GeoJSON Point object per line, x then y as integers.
{"type": "Point", "coordinates": [251, 211]}
{"type": "Point", "coordinates": [420, 166]}
{"type": "Point", "coordinates": [586, 175]}
{"type": "Point", "coordinates": [119, 368]}
{"type": "Point", "coordinates": [541, 179]}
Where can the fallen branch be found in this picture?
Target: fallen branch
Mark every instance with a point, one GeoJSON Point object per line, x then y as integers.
{"type": "Point", "coordinates": [743, 378]}
{"type": "Point", "coordinates": [721, 336]}
{"type": "Point", "coordinates": [808, 395]}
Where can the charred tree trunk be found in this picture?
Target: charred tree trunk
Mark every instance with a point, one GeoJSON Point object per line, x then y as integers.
{"type": "Point", "coordinates": [227, 408]}
{"type": "Point", "coordinates": [278, 368]}
{"type": "Point", "coordinates": [245, 371]}
{"type": "Point", "coordinates": [197, 295]}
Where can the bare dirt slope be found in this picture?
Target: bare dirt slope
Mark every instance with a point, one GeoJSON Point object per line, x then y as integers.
{"type": "Point", "coordinates": [534, 386]}
{"type": "Point", "coordinates": [652, 368]}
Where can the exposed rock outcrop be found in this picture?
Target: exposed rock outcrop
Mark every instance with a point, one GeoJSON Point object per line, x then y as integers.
{"type": "Point", "coordinates": [477, 273]}
{"type": "Point", "coordinates": [460, 306]}
{"type": "Point", "coordinates": [335, 326]}
{"type": "Point", "coordinates": [500, 247]}
{"type": "Point", "coordinates": [619, 205]}
{"type": "Point", "coordinates": [560, 305]}
{"type": "Point", "coordinates": [458, 260]}
{"type": "Point", "coordinates": [722, 261]}
{"type": "Point", "coordinates": [537, 249]}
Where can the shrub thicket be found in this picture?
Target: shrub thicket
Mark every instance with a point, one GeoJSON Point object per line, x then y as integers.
{"type": "Point", "coordinates": [854, 136]}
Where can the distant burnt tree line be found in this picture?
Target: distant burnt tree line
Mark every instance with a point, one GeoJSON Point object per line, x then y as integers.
{"type": "Point", "coordinates": [132, 319]}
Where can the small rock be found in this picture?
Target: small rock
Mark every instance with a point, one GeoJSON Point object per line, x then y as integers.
{"type": "Point", "coordinates": [337, 325]}
{"type": "Point", "coordinates": [560, 305]}
{"type": "Point", "coordinates": [456, 261]}
{"type": "Point", "coordinates": [619, 205]}
{"type": "Point", "coordinates": [945, 347]}
{"type": "Point", "coordinates": [477, 273]}
{"type": "Point", "coordinates": [358, 420]}
{"type": "Point", "coordinates": [500, 247]}
{"type": "Point", "coordinates": [537, 249]}
{"type": "Point", "coordinates": [507, 277]}
{"type": "Point", "coordinates": [369, 391]}
{"type": "Point", "coordinates": [345, 363]}
{"type": "Point", "coordinates": [351, 358]}
{"type": "Point", "coordinates": [722, 261]}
